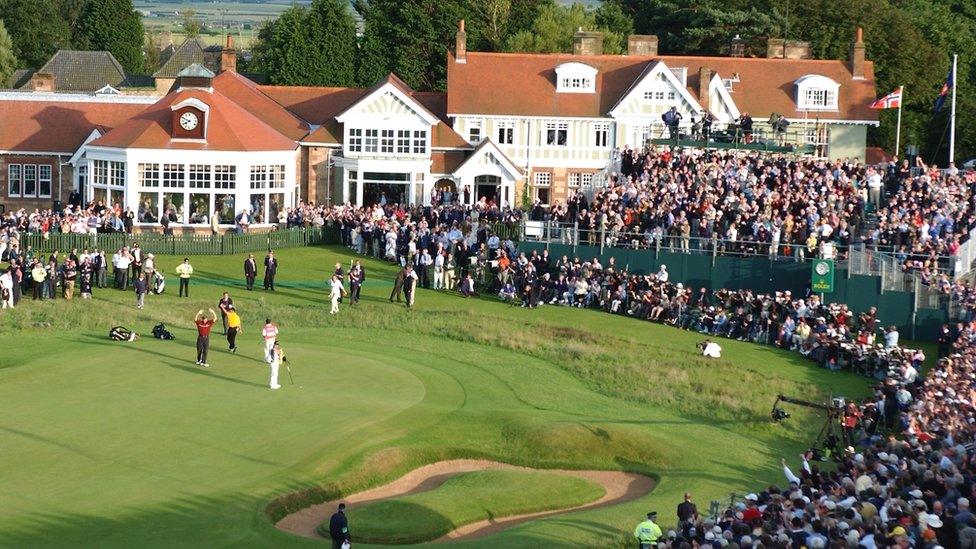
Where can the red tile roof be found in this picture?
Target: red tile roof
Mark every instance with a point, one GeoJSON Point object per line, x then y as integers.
{"type": "Point", "coordinates": [230, 127]}
{"type": "Point", "coordinates": [247, 94]}
{"type": "Point", "coordinates": [57, 126]}
{"type": "Point", "coordinates": [524, 84]}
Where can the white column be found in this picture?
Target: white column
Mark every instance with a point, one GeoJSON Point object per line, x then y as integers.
{"type": "Point", "coordinates": [359, 187]}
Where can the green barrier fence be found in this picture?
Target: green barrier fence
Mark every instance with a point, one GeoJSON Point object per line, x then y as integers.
{"type": "Point", "coordinates": [762, 274]}
{"type": "Point", "coordinates": [187, 244]}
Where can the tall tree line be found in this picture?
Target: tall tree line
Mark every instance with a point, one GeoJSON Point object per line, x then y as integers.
{"type": "Point", "coordinates": [38, 28]}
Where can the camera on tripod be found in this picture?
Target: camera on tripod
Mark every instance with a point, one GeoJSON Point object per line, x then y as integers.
{"type": "Point", "coordinates": [779, 414]}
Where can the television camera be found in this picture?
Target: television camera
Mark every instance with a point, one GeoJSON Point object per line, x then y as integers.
{"type": "Point", "coordinates": [832, 437]}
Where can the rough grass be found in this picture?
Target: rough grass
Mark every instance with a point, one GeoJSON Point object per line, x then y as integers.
{"type": "Point", "coordinates": [464, 499]}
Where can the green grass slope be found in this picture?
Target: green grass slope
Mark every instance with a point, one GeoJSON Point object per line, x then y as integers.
{"type": "Point", "coordinates": [464, 499]}
{"type": "Point", "coordinates": [114, 444]}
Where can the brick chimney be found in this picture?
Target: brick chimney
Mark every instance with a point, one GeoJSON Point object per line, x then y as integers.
{"type": "Point", "coordinates": [775, 48]}
{"type": "Point", "coordinates": [737, 47]}
{"type": "Point", "coordinates": [796, 49]}
{"type": "Point", "coordinates": [587, 43]}
{"type": "Point", "coordinates": [461, 44]}
{"type": "Point", "coordinates": [642, 44]}
{"type": "Point", "coordinates": [42, 82]}
{"type": "Point", "coordinates": [857, 55]}
{"type": "Point", "coordinates": [228, 56]}
{"type": "Point", "coordinates": [704, 78]}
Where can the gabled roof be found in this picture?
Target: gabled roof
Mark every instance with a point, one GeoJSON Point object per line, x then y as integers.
{"type": "Point", "coordinates": [651, 69]}
{"type": "Point", "coordinates": [191, 51]}
{"type": "Point", "coordinates": [524, 84]}
{"type": "Point", "coordinates": [230, 127]}
{"type": "Point", "coordinates": [393, 84]}
{"type": "Point", "coordinates": [321, 105]}
{"type": "Point", "coordinates": [488, 147]}
{"type": "Point", "coordinates": [83, 71]}
{"type": "Point", "coordinates": [44, 125]}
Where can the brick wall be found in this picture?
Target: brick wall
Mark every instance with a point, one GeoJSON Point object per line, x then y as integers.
{"type": "Point", "coordinates": [66, 174]}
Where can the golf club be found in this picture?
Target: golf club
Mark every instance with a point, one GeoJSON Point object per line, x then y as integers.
{"type": "Point", "coordinates": [287, 367]}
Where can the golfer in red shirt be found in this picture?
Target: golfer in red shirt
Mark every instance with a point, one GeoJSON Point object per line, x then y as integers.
{"type": "Point", "coordinates": [204, 325]}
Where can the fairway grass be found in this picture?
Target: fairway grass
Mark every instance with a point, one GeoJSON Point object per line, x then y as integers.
{"type": "Point", "coordinates": [116, 444]}
{"type": "Point", "coordinates": [467, 498]}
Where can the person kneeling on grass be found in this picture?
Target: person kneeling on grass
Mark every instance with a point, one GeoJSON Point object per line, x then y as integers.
{"type": "Point", "coordinates": [119, 333]}
{"type": "Point", "coordinates": [507, 293]}
{"type": "Point", "coordinates": [710, 349]}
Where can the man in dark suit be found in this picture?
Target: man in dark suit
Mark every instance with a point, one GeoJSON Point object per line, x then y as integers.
{"type": "Point", "coordinates": [250, 271]}
{"type": "Point", "coordinates": [398, 285]}
{"type": "Point", "coordinates": [357, 275]}
{"type": "Point", "coordinates": [339, 527]}
{"type": "Point", "coordinates": [270, 270]}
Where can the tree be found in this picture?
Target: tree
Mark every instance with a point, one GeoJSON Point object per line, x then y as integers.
{"type": "Point", "coordinates": [192, 25]}
{"type": "Point", "coordinates": [113, 25]}
{"type": "Point", "coordinates": [151, 49]}
{"type": "Point", "coordinates": [333, 34]}
{"type": "Point", "coordinates": [8, 62]}
{"type": "Point", "coordinates": [554, 28]}
{"type": "Point", "coordinates": [410, 38]}
{"type": "Point", "coordinates": [35, 29]}
{"type": "Point", "coordinates": [285, 49]}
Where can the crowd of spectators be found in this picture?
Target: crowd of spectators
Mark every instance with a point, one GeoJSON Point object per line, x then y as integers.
{"type": "Point", "coordinates": [907, 480]}
{"type": "Point", "coordinates": [759, 203]}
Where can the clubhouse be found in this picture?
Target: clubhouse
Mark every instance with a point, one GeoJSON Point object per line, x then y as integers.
{"type": "Point", "coordinates": [510, 127]}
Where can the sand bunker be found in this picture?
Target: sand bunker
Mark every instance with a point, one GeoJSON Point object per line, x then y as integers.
{"type": "Point", "coordinates": [619, 487]}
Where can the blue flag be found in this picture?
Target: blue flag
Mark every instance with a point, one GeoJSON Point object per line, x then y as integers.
{"type": "Point", "coordinates": [945, 91]}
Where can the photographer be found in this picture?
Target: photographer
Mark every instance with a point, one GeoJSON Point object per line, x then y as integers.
{"type": "Point", "coordinates": [710, 349]}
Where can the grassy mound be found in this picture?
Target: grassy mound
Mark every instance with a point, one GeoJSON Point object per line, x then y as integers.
{"type": "Point", "coordinates": [464, 499]}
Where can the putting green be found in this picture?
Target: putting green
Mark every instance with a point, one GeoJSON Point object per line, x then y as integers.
{"type": "Point", "coordinates": [120, 444]}
{"type": "Point", "coordinates": [467, 498]}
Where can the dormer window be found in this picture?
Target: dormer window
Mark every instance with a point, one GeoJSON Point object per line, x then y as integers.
{"type": "Point", "coordinates": [575, 78]}
{"type": "Point", "coordinates": [816, 93]}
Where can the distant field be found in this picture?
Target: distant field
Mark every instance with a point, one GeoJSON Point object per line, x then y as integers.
{"type": "Point", "coordinates": [245, 17]}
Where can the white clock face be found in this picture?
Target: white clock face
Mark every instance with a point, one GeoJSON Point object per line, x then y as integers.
{"type": "Point", "coordinates": [822, 268]}
{"type": "Point", "coordinates": [189, 121]}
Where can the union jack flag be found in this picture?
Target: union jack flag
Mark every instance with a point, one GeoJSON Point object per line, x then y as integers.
{"type": "Point", "coordinates": [890, 101]}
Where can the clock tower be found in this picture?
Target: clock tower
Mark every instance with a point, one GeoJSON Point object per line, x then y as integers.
{"type": "Point", "coordinates": [189, 122]}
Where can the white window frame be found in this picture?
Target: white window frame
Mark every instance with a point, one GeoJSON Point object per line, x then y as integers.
{"type": "Point", "coordinates": [586, 180]}
{"type": "Point", "coordinates": [42, 178]}
{"type": "Point", "coordinates": [601, 134]}
{"type": "Point", "coordinates": [371, 142]}
{"type": "Point", "coordinates": [355, 140]}
{"type": "Point", "coordinates": [573, 180]}
{"type": "Point", "coordinates": [420, 142]}
{"type": "Point", "coordinates": [224, 177]}
{"type": "Point", "coordinates": [552, 133]}
{"type": "Point", "coordinates": [19, 179]}
{"type": "Point", "coordinates": [474, 131]}
{"type": "Point", "coordinates": [276, 176]}
{"type": "Point", "coordinates": [173, 176]}
{"type": "Point", "coordinates": [542, 179]}
{"type": "Point", "coordinates": [506, 132]}
{"type": "Point", "coordinates": [403, 141]}
{"type": "Point", "coordinates": [387, 141]}
{"type": "Point", "coordinates": [24, 179]}
{"type": "Point", "coordinates": [199, 176]}
{"type": "Point", "coordinates": [259, 177]}
{"type": "Point", "coordinates": [149, 175]}
{"type": "Point", "coordinates": [575, 77]}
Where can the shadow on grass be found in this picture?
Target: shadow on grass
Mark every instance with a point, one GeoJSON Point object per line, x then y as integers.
{"type": "Point", "coordinates": [191, 369]}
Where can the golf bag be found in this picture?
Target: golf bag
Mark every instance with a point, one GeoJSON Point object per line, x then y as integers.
{"type": "Point", "coordinates": [159, 331]}
{"type": "Point", "coordinates": [159, 283]}
{"type": "Point", "coordinates": [119, 333]}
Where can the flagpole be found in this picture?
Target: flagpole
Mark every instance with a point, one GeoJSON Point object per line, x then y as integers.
{"type": "Point", "coordinates": [952, 116]}
{"type": "Point", "coordinates": [901, 102]}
